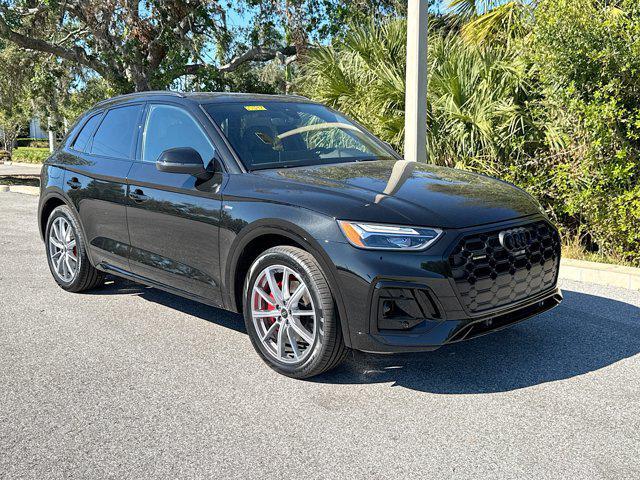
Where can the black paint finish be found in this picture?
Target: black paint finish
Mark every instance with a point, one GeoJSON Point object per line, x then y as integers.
{"type": "Point", "coordinates": [96, 187]}
{"type": "Point", "coordinates": [195, 235]}
{"type": "Point", "coordinates": [173, 229]}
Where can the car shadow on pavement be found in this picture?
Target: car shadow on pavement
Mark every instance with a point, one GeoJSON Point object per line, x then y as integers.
{"type": "Point", "coordinates": [224, 318]}
{"type": "Point", "coordinates": [585, 333]}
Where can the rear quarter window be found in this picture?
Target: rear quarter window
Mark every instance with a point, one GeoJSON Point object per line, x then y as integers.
{"type": "Point", "coordinates": [83, 137]}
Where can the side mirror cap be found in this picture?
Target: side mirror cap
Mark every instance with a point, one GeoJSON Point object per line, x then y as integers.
{"type": "Point", "coordinates": [184, 160]}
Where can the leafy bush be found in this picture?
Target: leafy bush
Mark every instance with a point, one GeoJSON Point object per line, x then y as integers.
{"type": "Point", "coordinates": [477, 104]}
{"type": "Point", "coordinates": [32, 142]}
{"type": "Point", "coordinates": [552, 106]}
{"type": "Point", "coordinates": [362, 75]}
{"type": "Point", "coordinates": [476, 96]}
{"type": "Point", "coordinates": [30, 154]}
{"type": "Point", "coordinates": [587, 56]}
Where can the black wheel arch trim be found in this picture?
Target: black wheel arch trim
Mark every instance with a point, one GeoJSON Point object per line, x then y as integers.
{"type": "Point", "coordinates": [274, 226]}
{"type": "Point", "coordinates": [52, 193]}
{"type": "Point", "coordinates": [58, 194]}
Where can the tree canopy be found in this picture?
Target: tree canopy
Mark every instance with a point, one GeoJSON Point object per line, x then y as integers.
{"type": "Point", "coordinates": [141, 45]}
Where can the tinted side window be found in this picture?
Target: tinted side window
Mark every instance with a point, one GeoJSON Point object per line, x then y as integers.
{"type": "Point", "coordinates": [85, 134]}
{"type": "Point", "coordinates": [115, 134]}
{"type": "Point", "coordinates": [171, 127]}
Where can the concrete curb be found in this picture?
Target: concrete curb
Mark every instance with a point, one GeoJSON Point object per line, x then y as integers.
{"type": "Point", "coordinates": [600, 273]}
{"type": "Point", "coordinates": [23, 164]}
{"type": "Point", "coordinates": [18, 170]}
{"type": "Point", "coordinates": [27, 190]}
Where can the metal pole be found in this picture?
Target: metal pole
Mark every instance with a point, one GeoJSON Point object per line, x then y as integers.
{"type": "Point", "coordinates": [415, 123]}
{"type": "Point", "coordinates": [52, 135]}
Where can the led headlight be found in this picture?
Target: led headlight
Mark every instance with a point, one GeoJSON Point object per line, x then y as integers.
{"type": "Point", "coordinates": [388, 237]}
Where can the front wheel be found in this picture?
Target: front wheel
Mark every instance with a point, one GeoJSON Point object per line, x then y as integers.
{"type": "Point", "coordinates": [289, 313]}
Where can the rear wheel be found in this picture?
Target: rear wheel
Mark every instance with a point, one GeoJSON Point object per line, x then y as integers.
{"type": "Point", "coordinates": [289, 313]}
{"type": "Point", "coordinates": [67, 254]}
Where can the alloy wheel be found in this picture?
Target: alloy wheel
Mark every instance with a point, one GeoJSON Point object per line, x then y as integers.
{"type": "Point", "coordinates": [63, 251]}
{"type": "Point", "coordinates": [283, 314]}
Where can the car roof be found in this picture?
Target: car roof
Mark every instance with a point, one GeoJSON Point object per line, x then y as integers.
{"type": "Point", "coordinates": [199, 97]}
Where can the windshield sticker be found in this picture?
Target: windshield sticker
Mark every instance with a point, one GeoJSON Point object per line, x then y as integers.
{"type": "Point", "coordinates": [254, 108]}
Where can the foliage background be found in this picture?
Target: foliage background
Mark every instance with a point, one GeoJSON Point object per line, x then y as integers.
{"type": "Point", "coordinates": [544, 94]}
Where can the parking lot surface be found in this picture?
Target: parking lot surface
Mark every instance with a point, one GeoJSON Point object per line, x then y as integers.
{"type": "Point", "coordinates": [129, 382]}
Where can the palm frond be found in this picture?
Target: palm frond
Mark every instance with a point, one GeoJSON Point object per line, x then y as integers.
{"type": "Point", "coordinates": [508, 20]}
{"type": "Point", "coordinates": [473, 100]}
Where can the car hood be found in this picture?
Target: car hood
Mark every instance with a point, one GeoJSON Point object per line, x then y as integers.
{"type": "Point", "coordinates": [399, 191]}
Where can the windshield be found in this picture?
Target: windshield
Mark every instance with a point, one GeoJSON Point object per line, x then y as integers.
{"type": "Point", "coordinates": [288, 134]}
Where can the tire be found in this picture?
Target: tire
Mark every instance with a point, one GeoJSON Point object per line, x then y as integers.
{"type": "Point", "coordinates": [326, 349]}
{"type": "Point", "coordinates": [84, 276]}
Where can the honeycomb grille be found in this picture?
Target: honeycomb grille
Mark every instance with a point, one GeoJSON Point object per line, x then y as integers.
{"type": "Point", "coordinates": [488, 276]}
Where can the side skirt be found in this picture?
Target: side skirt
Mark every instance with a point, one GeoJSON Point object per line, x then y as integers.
{"type": "Point", "coordinates": [119, 272]}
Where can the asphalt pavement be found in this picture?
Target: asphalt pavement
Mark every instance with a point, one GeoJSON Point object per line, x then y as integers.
{"type": "Point", "coordinates": [128, 382]}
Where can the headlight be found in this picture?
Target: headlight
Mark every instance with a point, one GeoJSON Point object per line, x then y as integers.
{"type": "Point", "coordinates": [388, 237]}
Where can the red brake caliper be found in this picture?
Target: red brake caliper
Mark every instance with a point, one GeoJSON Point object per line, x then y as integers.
{"type": "Point", "coordinates": [272, 320]}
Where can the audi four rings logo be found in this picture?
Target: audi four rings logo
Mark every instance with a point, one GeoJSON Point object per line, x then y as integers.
{"type": "Point", "coordinates": [515, 240]}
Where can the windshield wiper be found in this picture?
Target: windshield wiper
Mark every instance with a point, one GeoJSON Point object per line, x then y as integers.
{"type": "Point", "coordinates": [373, 159]}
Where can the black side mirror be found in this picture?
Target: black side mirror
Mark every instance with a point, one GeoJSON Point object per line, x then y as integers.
{"type": "Point", "coordinates": [181, 160]}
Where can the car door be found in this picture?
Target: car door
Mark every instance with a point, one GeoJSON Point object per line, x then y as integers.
{"type": "Point", "coordinates": [97, 163]}
{"type": "Point", "coordinates": [174, 218]}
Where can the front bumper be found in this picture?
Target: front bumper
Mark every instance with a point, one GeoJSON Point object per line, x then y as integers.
{"type": "Point", "coordinates": [431, 334]}
{"type": "Point", "coordinates": [422, 284]}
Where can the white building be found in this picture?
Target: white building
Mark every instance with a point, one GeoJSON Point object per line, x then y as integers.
{"type": "Point", "coordinates": [35, 130]}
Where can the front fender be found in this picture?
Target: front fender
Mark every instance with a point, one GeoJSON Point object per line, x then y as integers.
{"type": "Point", "coordinates": [305, 228]}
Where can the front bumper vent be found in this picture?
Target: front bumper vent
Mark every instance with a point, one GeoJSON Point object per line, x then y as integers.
{"type": "Point", "coordinates": [488, 276]}
{"type": "Point", "coordinates": [404, 308]}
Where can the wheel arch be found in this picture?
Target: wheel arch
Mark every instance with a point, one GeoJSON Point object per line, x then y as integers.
{"type": "Point", "coordinates": [47, 205]}
{"type": "Point", "coordinates": [263, 235]}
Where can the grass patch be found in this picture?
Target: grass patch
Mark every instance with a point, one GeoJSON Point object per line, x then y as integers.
{"type": "Point", "coordinates": [30, 154]}
{"type": "Point", "coordinates": [571, 249]}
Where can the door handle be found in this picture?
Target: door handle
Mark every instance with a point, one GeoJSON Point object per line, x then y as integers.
{"type": "Point", "coordinates": [138, 196]}
{"type": "Point", "coordinates": [74, 183]}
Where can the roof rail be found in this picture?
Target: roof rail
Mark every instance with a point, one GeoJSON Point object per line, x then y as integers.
{"type": "Point", "coordinates": [142, 94]}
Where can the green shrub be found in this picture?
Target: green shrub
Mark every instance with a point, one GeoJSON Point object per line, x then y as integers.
{"type": "Point", "coordinates": [30, 154]}
{"type": "Point", "coordinates": [588, 62]}
{"type": "Point", "coordinates": [475, 97]}
{"type": "Point", "coordinates": [555, 109]}
{"type": "Point", "coordinates": [32, 142]}
{"type": "Point", "coordinates": [362, 75]}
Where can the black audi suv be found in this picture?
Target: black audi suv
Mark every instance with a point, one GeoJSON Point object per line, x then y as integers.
{"type": "Point", "coordinates": [295, 215]}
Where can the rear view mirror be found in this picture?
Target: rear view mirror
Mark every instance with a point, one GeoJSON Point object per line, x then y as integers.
{"type": "Point", "coordinates": [181, 160]}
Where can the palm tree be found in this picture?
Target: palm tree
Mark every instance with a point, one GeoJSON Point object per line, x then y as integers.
{"type": "Point", "coordinates": [476, 103]}
{"type": "Point", "coordinates": [485, 20]}
{"type": "Point", "coordinates": [363, 75]}
{"type": "Point", "coordinates": [476, 93]}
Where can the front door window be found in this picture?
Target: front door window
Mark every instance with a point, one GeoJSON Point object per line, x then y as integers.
{"type": "Point", "coordinates": [171, 127]}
